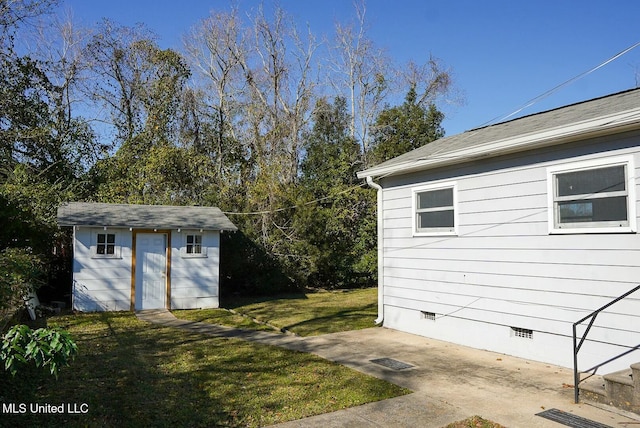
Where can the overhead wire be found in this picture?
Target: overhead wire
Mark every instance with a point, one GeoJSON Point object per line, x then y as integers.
{"type": "Point", "coordinates": [292, 207]}
{"type": "Point", "coordinates": [528, 104]}
{"type": "Point", "coordinates": [470, 134]}
{"type": "Point", "coordinates": [561, 85]}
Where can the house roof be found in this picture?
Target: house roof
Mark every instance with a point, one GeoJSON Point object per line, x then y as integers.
{"type": "Point", "coordinates": [607, 115]}
{"type": "Point", "coordinates": [143, 216]}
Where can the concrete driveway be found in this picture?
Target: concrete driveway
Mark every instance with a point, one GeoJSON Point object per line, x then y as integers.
{"type": "Point", "coordinates": [450, 382]}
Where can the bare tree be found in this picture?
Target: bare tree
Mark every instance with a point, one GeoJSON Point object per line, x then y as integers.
{"type": "Point", "coordinates": [429, 80]}
{"type": "Point", "coordinates": [118, 73]}
{"type": "Point", "coordinates": [277, 73]}
{"type": "Point", "coordinates": [15, 12]}
{"type": "Point", "coordinates": [215, 48]}
{"type": "Point", "coordinates": [361, 73]}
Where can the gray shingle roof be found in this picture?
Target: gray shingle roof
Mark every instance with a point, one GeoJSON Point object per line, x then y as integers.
{"type": "Point", "coordinates": [143, 216]}
{"type": "Point", "coordinates": [554, 121]}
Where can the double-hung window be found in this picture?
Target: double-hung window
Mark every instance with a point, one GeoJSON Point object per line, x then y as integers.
{"type": "Point", "coordinates": [596, 197]}
{"type": "Point", "coordinates": [434, 210]}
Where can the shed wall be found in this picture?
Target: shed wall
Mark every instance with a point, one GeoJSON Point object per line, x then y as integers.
{"type": "Point", "coordinates": [101, 284]}
{"type": "Point", "coordinates": [195, 280]}
{"type": "Point", "coordinates": [504, 269]}
{"type": "Point", "coordinates": [104, 283]}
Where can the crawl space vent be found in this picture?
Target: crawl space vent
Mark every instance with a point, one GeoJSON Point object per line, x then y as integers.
{"type": "Point", "coordinates": [525, 333]}
{"type": "Point", "coordinates": [427, 315]}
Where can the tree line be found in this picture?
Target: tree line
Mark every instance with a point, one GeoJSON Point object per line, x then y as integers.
{"type": "Point", "coordinates": [254, 114]}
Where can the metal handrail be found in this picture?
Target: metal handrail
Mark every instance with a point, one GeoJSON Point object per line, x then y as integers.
{"type": "Point", "coordinates": [577, 346]}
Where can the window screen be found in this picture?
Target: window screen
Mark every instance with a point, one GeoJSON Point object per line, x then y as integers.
{"type": "Point", "coordinates": [435, 210]}
{"type": "Point", "coordinates": [596, 197]}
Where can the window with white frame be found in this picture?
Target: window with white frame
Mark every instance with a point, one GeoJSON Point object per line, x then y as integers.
{"type": "Point", "coordinates": [593, 197]}
{"type": "Point", "coordinates": [434, 210]}
{"type": "Point", "coordinates": [193, 245]}
{"type": "Point", "coordinates": [106, 245]}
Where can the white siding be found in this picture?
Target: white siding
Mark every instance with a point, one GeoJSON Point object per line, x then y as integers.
{"type": "Point", "coordinates": [194, 280]}
{"type": "Point", "coordinates": [505, 270]}
{"type": "Point", "coordinates": [104, 284]}
{"type": "Point", "coordinates": [101, 284]}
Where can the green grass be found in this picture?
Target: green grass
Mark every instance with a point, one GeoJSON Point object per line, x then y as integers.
{"type": "Point", "coordinates": [304, 314]}
{"type": "Point", "coordinates": [474, 422]}
{"type": "Point", "coordinates": [132, 374]}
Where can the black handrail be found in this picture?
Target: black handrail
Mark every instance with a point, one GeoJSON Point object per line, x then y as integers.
{"type": "Point", "coordinates": [577, 346]}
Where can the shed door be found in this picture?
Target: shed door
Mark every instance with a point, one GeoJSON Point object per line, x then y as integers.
{"type": "Point", "coordinates": [151, 270]}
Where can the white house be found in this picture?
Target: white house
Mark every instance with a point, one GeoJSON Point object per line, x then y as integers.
{"type": "Point", "coordinates": [502, 237]}
{"type": "Point", "coordinates": [135, 257]}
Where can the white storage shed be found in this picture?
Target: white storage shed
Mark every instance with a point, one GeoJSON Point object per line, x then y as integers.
{"type": "Point", "coordinates": [137, 257]}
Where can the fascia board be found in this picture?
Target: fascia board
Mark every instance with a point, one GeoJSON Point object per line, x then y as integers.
{"type": "Point", "coordinates": [609, 124]}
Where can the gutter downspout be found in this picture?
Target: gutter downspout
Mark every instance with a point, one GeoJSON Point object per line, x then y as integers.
{"type": "Point", "coordinates": [378, 188]}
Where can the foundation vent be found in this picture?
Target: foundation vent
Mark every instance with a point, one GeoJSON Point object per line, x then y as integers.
{"type": "Point", "coordinates": [427, 315]}
{"type": "Point", "coordinates": [525, 333]}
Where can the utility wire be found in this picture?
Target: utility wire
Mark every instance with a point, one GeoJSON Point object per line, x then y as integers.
{"type": "Point", "coordinates": [560, 86]}
{"type": "Point", "coordinates": [471, 133]}
{"type": "Point", "coordinates": [528, 104]}
{"type": "Point", "coordinates": [292, 207]}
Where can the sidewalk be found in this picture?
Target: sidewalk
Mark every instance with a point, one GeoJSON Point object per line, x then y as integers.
{"type": "Point", "coordinates": [450, 382]}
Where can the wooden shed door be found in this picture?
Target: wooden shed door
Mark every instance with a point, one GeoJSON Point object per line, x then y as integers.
{"type": "Point", "coordinates": [151, 270]}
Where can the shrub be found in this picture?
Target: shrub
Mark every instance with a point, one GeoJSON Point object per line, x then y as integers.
{"type": "Point", "coordinates": [44, 347]}
{"type": "Point", "coordinates": [20, 275]}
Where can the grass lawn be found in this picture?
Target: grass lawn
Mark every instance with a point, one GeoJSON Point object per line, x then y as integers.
{"type": "Point", "coordinates": [304, 314]}
{"type": "Point", "coordinates": [475, 422]}
{"type": "Point", "coordinates": [130, 373]}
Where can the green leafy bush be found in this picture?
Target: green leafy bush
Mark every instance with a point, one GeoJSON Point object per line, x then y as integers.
{"type": "Point", "coordinates": [44, 347]}
{"type": "Point", "coordinates": [20, 275]}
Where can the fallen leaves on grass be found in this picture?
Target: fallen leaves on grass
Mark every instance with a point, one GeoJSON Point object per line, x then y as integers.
{"type": "Point", "coordinates": [474, 422]}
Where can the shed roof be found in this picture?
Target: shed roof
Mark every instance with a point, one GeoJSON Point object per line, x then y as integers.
{"type": "Point", "coordinates": [143, 216]}
{"type": "Point", "coordinates": [600, 116]}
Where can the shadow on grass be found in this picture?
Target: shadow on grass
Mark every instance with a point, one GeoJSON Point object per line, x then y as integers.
{"type": "Point", "coordinates": [118, 375]}
{"type": "Point", "coordinates": [334, 322]}
{"type": "Point", "coordinates": [233, 302]}
{"type": "Point", "coordinates": [130, 373]}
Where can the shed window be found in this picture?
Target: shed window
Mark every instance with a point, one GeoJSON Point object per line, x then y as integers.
{"type": "Point", "coordinates": [435, 210]}
{"type": "Point", "coordinates": [595, 198]}
{"type": "Point", "coordinates": [106, 243]}
{"type": "Point", "coordinates": [194, 244]}
{"type": "Point", "coordinates": [106, 246]}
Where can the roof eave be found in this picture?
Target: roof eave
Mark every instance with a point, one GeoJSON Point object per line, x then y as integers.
{"type": "Point", "coordinates": [148, 227]}
{"type": "Point", "coordinates": [605, 125]}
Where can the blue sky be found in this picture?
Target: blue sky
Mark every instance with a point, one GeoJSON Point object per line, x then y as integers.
{"type": "Point", "coordinates": [502, 53]}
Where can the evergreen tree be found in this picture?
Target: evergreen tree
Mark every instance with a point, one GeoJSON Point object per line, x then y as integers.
{"type": "Point", "coordinates": [404, 128]}
{"type": "Point", "coordinates": [337, 229]}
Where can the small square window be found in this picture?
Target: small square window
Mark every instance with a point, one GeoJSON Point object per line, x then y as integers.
{"type": "Point", "coordinates": [106, 245]}
{"type": "Point", "coordinates": [194, 244]}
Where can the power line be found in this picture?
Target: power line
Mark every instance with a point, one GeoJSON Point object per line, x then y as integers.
{"type": "Point", "coordinates": [292, 207]}
{"type": "Point", "coordinates": [560, 86]}
{"type": "Point", "coordinates": [470, 134]}
{"type": "Point", "coordinates": [528, 104]}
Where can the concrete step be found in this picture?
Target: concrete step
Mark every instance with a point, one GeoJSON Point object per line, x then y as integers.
{"type": "Point", "coordinates": [594, 389]}
{"type": "Point", "coordinates": [620, 389]}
